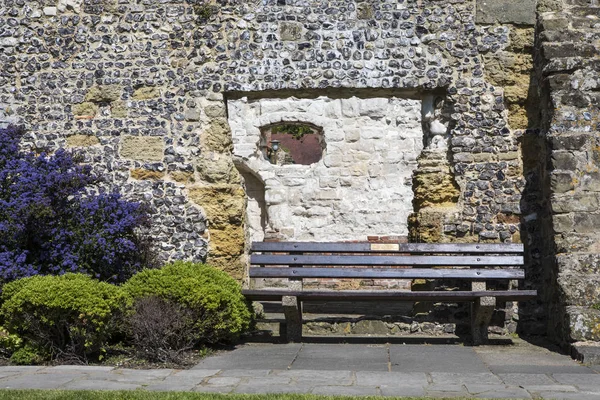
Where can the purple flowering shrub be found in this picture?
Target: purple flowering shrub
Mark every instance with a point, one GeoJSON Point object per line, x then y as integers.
{"type": "Point", "coordinates": [50, 224]}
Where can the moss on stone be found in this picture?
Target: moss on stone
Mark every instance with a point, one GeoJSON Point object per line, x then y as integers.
{"type": "Point", "coordinates": [435, 190]}
{"type": "Point", "coordinates": [118, 109]}
{"type": "Point", "coordinates": [146, 93]}
{"type": "Point", "coordinates": [86, 109]}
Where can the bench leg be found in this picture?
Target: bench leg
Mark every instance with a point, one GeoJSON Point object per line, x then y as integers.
{"type": "Point", "coordinates": [481, 314]}
{"type": "Point", "coordinates": [292, 308]}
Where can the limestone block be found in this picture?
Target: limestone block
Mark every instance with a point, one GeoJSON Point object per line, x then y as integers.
{"type": "Point", "coordinates": [82, 141]}
{"type": "Point", "coordinates": [575, 202]}
{"type": "Point", "coordinates": [563, 223]}
{"type": "Point", "coordinates": [226, 249]}
{"type": "Point", "coordinates": [275, 196]}
{"type": "Point", "coordinates": [103, 94]}
{"type": "Point", "coordinates": [215, 110]}
{"type": "Point", "coordinates": [183, 177]}
{"type": "Point", "coordinates": [145, 174]}
{"type": "Point", "coordinates": [506, 11]}
{"type": "Point", "coordinates": [586, 222]}
{"type": "Point", "coordinates": [217, 168]}
{"type": "Point", "coordinates": [143, 148]}
{"type": "Point", "coordinates": [584, 324]}
{"type": "Point", "coordinates": [223, 204]}
{"type": "Point", "coordinates": [350, 107]}
{"type": "Point", "coordinates": [217, 137]}
{"type": "Point", "coordinates": [562, 182]}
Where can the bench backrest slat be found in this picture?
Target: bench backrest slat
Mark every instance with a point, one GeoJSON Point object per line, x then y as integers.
{"type": "Point", "coordinates": [386, 273]}
{"type": "Point", "coordinates": [412, 248]}
{"type": "Point", "coordinates": [380, 260]}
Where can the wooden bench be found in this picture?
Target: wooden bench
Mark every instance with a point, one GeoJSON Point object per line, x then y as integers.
{"type": "Point", "coordinates": [476, 263]}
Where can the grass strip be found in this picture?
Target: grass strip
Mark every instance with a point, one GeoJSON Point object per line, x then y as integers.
{"type": "Point", "coordinates": [10, 394]}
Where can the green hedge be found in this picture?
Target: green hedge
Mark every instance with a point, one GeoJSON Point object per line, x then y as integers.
{"type": "Point", "coordinates": [221, 312]}
{"type": "Point", "coordinates": [71, 316]}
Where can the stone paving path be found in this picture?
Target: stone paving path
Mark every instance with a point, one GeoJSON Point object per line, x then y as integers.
{"type": "Point", "coordinates": [517, 371]}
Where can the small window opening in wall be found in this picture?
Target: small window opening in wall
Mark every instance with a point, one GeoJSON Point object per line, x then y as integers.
{"type": "Point", "coordinates": [292, 143]}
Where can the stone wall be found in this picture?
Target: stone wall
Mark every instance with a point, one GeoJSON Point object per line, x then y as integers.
{"type": "Point", "coordinates": [146, 90]}
{"type": "Point", "coordinates": [565, 188]}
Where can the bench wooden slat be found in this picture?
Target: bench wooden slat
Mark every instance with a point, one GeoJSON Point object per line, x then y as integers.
{"type": "Point", "coordinates": [416, 248]}
{"type": "Point", "coordinates": [362, 295]}
{"type": "Point", "coordinates": [385, 273]}
{"type": "Point", "coordinates": [374, 260]}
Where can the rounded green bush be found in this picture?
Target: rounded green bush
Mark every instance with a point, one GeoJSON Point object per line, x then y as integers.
{"type": "Point", "coordinates": [68, 316]}
{"type": "Point", "coordinates": [215, 299]}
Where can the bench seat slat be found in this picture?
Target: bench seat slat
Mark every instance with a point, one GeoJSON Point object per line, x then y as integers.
{"type": "Point", "coordinates": [363, 295]}
{"type": "Point", "coordinates": [378, 260]}
{"type": "Point", "coordinates": [386, 273]}
{"type": "Point", "coordinates": [413, 248]}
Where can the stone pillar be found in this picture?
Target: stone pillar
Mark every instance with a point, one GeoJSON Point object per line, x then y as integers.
{"type": "Point", "coordinates": [570, 79]}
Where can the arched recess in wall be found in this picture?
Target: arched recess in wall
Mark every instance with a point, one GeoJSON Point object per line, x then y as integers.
{"type": "Point", "coordinates": [362, 184]}
{"type": "Point", "coordinates": [292, 142]}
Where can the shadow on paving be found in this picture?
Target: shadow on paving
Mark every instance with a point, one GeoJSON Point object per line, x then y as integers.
{"type": "Point", "coordinates": [426, 355]}
{"type": "Point", "coordinates": [377, 340]}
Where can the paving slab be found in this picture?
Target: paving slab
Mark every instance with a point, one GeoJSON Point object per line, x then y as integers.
{"type": "Point", "coordinates": [526, 379]}
{"type": "Point", "coordinates": [251, 388]}
{"type": "Point", "coordinates": [550, 388]}
{"type": "Point", "coordinates": [569, 396]}
{"type": "Point", "coordinates": [172, 386]}
{"type": "Point", "coordinates": [345, 390]}
{"type": "Point", "coordinates": [484, 378]}
{"type": "Point", "coordinates": [504, 394]}
{"type": "Point", "coordinates": [135, 376]}
{"type": "Point", "coordinates": [215, 389]}
{"type": "Point", "coordinates": [497, 391]}
{"type": "Point", "coordinates": [342, 356]}
{"type": "Point", "coordinates": [223, 381]}
{"type": "Point", "coordinates": [588, 382]}
{"type": "Point", "coordinates": [195, 373]}
{"type": "Point", "coordinates": [254, 373]}
{"type": "Point", "coordinates": [402, 391]}
{"type": "Point", "coordinates": [391, 379]}
{"type": "Point", "coordinates": [539, 369]}
{"type": "Point", "coordinates": [449, 387]}
{"type": "Point", "coordinates": [77, 368]}
{"type": "Point", "coordinates": [319, 377]}
{"type": "Point", "coordinates": [21, 368]}
{"type": "Point", "coordinates": [92, 384]}
{"type": "Point", "coordinates": [445, 395]}
{"type": "Point", "coordinates": [524, 358]}
{"type": "Point", "coordinates": [254, 356]}
{"type": "Point", "coordinates": [38, 381]}
{"type": "Point", "coordinates": [435, 358]}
